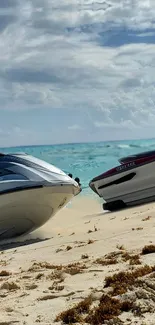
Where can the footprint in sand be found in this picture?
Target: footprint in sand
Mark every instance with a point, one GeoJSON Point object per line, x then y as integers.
{"type": "Point", "coordinates": [73, 233]}
{"type": "Point", "coordinates": [10, 286]}
{"type": "Point", "coordinates": [68, 248]}
{"type": "Point", "coordinates": [31, 286]}
{"type": "Point", "coordinates": [26, 276]}
{"type": "Point", "coordinates": [9, 309]}
{"type": "Point", "coordinates": [59, 250]}
{"type": "Point", "coordinates": [48, 297]}
{"type": "Point", "coordinates": [5, 273]}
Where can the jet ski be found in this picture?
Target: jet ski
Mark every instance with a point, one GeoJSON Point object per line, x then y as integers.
{"type": "Point", "coordinates": [130, 183]}
{"type": "Point", "coordinates": [31, 192]}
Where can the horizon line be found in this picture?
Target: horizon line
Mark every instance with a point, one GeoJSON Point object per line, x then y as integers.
{"type": "Point", "coordinates": [73, 143]}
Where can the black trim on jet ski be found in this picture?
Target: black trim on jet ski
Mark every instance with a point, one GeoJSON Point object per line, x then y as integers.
{"type": "Point", "coordinates": [119, 181]}
{"type": "Point", "coordinates": [17, 189]}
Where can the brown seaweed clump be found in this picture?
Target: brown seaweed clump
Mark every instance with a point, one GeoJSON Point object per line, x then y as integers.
{"type": "Point", "coordinates": [120, 282]}
{"type": "Point", "coordinates": [133, 259]}
{"type": "Point", "coordinates": [74, 314]}
{"type": "Point", "coordinates": [148, 249]}
{"type": "Point", "coordinates": [107, 309]}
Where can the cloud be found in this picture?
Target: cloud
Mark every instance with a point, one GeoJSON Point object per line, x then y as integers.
{"type": "Point", "coordinates": [6, 4]}
{"type": "Point", "coordinates": [74, 127]}
{"type": "Point", "coordinates": [123, 124]}
{"type": "Point", "coordinates": [93, 57]}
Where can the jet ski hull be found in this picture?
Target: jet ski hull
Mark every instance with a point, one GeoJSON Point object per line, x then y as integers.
{"type": "Point", "coordinates": [31, 192]}
{"type": "Point", "coordinates": [29, 209]}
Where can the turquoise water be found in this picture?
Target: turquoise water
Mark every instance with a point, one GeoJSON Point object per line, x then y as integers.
{"type": "Point", "coordinates": [86, 160]}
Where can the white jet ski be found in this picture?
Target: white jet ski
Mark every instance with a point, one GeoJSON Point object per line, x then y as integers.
{"type": "Point", "coordinates": [31, 192]}
{"type": "Point", "coordinates": [130, 183]}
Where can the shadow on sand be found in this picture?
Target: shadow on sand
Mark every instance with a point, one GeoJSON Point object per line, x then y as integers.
{"type": "Point", "coordinates": [19, 242]}
{"type": "Point", "coordinates": [127, 208]}
{"type": "Point", "coordinates": [97, 214]}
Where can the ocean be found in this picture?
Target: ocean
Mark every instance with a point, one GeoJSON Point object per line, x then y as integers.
{"type": "Point", "coordinates": [85, 160]}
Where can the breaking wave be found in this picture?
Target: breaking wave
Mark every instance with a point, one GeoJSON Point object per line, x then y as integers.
{"type": "Point", "coordinates": [131, 145]}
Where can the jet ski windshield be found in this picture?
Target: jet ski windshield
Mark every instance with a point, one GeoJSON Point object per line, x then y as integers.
{"type": "Point", "coordinates": [146, 154]}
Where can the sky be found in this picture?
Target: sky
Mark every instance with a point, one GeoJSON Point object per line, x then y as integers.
{"type": "Point", "coordinates": [76, 71]}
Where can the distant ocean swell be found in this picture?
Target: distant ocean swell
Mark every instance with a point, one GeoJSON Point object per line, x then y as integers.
{"type": "Point", "coordinates": [131, 145]}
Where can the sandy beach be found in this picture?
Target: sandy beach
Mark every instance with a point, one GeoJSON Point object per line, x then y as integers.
{"type": "Point", "coordinates": [84, 266]}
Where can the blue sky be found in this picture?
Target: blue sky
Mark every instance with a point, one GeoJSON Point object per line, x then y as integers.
{"type": "Point", "coordinates": [79, 70]}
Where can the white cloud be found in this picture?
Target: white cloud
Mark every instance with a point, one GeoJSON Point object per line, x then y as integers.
{"type": "Point", "coordinates": [74, 127]}
{"type": "Point", "coordinates": [96, 55]}
{"type": "Point", "coordinates": [123, 124]}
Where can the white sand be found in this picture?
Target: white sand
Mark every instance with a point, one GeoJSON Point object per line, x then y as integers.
{"type": "Point", "coordinates": [86, 230]}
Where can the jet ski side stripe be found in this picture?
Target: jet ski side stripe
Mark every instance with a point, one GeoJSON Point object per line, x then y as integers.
{"type": "Point", "coordinates": [119, 181]}
{"type": "Point", "coordinates": [18, 189]}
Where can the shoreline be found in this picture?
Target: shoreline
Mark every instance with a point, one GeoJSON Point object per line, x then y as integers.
{"type": "Point", "coordinates": [68, 259]}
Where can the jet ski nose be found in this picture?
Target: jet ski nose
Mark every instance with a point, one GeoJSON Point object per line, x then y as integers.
{"type": "Point", "coordinates": [77, 189]}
